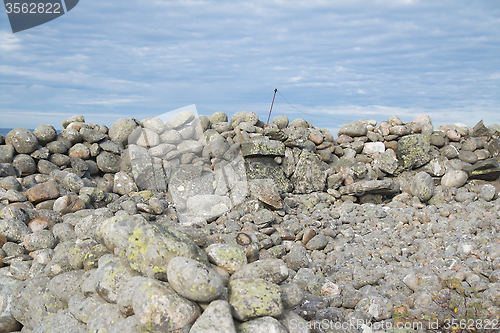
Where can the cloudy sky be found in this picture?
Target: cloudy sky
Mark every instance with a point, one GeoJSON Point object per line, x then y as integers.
{"type": "Point", "coordinates": [331, 61]}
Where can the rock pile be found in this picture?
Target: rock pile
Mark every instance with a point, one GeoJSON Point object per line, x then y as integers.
{"type": "Point", "coordinates": [210, 224]}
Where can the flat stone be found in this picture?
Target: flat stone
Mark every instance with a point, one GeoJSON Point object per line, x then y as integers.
{"type": "Point", "coordinates": [487, 169]}
{"type": "Point", "coordinates": [266, 191]}
{"type": "Point", "coordinates": [262, 147]}
{"type": "Point", "coordinates": [385, 186]}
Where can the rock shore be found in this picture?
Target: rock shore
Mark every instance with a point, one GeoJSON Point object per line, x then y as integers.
{"type": "Point", "coordinates": [200, 224]}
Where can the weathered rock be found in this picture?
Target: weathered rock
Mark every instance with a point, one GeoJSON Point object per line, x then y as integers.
{"type": "Point", "coordinates": [273, 270]}
{"type": "Point", "coordinates": [110, 274]}
{"type": "Point", "coordinates": [422, 186]}
{"type": "Point", "coordinates": [385, 186]}
{"type": "Point", "coordinates": [253, 297]}
{"type": "Point", "coordinates": [231, 258]}
{"type": "Point", "coordinates": [266, 167]}
{"type": "Point", "coordinates": [23, 141]}
{"type": "Point", "coordinates": [151, 247]}
{"type": "Point", "coordinates": [216, 318]}
{"type": "Point", "coordinates": [488, 170]}
{"type": "Point", "coordinates": [262, 147]}
{"type": "Point", "coordinates": [353, 129]}
{"type": "Point", "coordinates": [158, 308]}
{"type": "Point", "coordinates": [266, 191]}
{"type": "Point", "coordinates": [121, 129]}
{"type": "Point", "coordinates": [309, 175]}
{"type": "Point", "coordinates": [414, 150]}
{"type": "Point", "coordinates": [263, 324]}
{"type": "Point", "coordinates": [194, 280]}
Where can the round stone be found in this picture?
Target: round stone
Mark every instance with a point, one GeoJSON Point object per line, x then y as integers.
{"type": "Point", "coordinates": [23, 141]}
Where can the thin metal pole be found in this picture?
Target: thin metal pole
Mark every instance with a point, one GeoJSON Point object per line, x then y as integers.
{"type": "Point", "coordinates": [269, 117]}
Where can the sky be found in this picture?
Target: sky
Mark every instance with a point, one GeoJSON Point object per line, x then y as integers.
{"type": "Point", "coordinates": [331, 61]}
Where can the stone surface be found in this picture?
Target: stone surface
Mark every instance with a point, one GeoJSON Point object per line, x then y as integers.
{"type": "Point", "coordinates": [23, 141]}
{"type": "Point", "coordinates": [422, 186]}
{"type": "Point", "coordinates": [251, 298]}
{"type": "Point", "coordinates": [454, 178]}
{"type": "Point", "coordinates": [414, 150]}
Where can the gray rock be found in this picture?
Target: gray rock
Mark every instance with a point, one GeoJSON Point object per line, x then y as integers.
{"type": "Point", "coordinates": [310, 174]}
{"type": "Point", "coordinates": [208, 206]}
{"type": "Point", "coordinates": [32, 303]}
{"type": "Point", "coordinates": [244, 116]}
{"type": "Point", "coordinates": [154, 124]}
{"type": "Point", "coordinates": [108, 162]}
{"type": "Point", "coordinates": [297, 258]}
{"type": "Point", "coordinates": [68, 204]}
{"type": "Point", "coordinates": [376, 306]}
{"type": "Point", "coordinates": [158, 308]}
{"type": "Point", "coordinates": [266, 191]}
{"type": "Point", "coordinates": [23, 141]}
{"type": "Point", "coordinates": [291, 295]}
{"type": "Point", "coordinates": [25, 164]}
{"type": "Point", "coordinates": [14, 230]}
{"type": "Point", "coordinates": [467, 156]}
{"type": "Point", "coordinates": [82, 307]}
{"type": "Point", "coordinates": [422, 186]}
{"type": "Point", "coordinates": [104, 317]}
{"type": "Point", "coordinates": [194, 280]}
{"type": "Point", "coordinates": [487, 192]}
{"type": "Point", "coordinates": [151, 247]}
{"type": "Point", "coordinates": [6, 153]}
{"type": "Point", "coordinates": [281, 121]}
{"type": "Point", "coordinates": [454, 178]}
{"type": "Point", "coordinates": [64, 286]}
{"type": "Point", "coordinates": [121, 129]}
{"type": "Point", "coordinates": [123, 184]}
{"type": "Point", "coordinates": [112, 272]}
{"type": "Point", "coordinates": [230, 258]}
{"type": "Point", "coordinates": [264, 324]}
{"type": "Point", "coordinates": [414, 150]}
{"type": "Point", "coordinates": [218, 117]}
{"type": "Point", "coordinates": [385, 186]}
{"type": "Point", "coordinates": [129, 325]}
{"type": "Point", "coordinates": [487, 169]}
{"type": "Point", "coordinates": [181, 118]}
{"type": "Point", "coordinates": [216, 318]}
{"type": "Point", "coordinates": [72, 119]}
{"type": "Point", "coordinates": [253, 297]}
{"type": "Point", "coordinates": [449, 152]}
{"type": "Point", "coordinates": [353, 129]}
{"type": "Point", "coordinates": [272, 270]}
{"type": "Point", "coordinates": [62, 322]}
{"type": "Point", "coordinates": [43, 239]}
{"type": "Point", "coordinates": [318, 242]}
{"type": "Point", "coordinates": [79, 150]}
{"type": "Point", "coordinates": [262, 147]}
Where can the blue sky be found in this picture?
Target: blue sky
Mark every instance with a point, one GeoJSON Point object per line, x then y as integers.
{"type": "Point", "coordinates": [333, 61]}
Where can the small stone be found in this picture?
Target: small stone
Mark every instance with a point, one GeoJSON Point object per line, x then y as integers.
{"type": "Point", "coordinates": [353, 129]}
{"type": "Point", "coordinates": [43, 239]}
{"type": "Point", "coordinates": [454, 178]}
{"type": "Point", "coordinates": [68, 204]}
{"type": "Point", "coordinates": [487, 192]}
{"type": "Point", "coordinates": [181, 118]}
{"type": "Point", "coordinates": [230, 258]}
{"type": "Point", "coordinates": [422, 186]}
